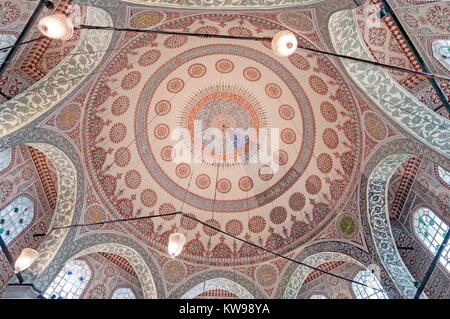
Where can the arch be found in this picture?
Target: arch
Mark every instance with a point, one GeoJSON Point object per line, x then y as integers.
{"type": "Point", "coordinates": [5, 159]}
{"type": "Point", "coordinates": [70, 281]}
{"type": "Point", "coordinates": [139, 265]}
{"type": "Point", "coordinates": [141, 260]}
{"type": "Point", "coordinates": [224, 4]}
{"type": "Point", "coordinates": [70, 196]}
{"type": "Point", "coordinates": [443, 175]}
{"type": "Point", "coordinates": [41, 97]}
{"type": "Point", "coordinates": [393, 100]}
{"type": "Point", "coordinates": [218, 279]}
{"type": "Point", "coordinates": [300, 274]}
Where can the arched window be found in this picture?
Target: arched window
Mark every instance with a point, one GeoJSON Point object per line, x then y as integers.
{"type": "Point", "coordinates": [123, 293]}
{"type": "Point", "coordinates": [373, 290]}
{"type": "Point", "coordinates": [15, 217]}
{"type": "Point", "coordinates": [431, 230]}
{"type": "Point", "coordinates": [5, 158]}
{"type": "Point", "coordinates": [444, 175]}
{"type": "Point", "coordinates": [70, 282]}
{"type": "Point", "coordinates": [318, 297]}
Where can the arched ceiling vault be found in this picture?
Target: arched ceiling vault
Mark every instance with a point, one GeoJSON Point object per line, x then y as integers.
{"type": "Point", "coordinates": [119, 123]}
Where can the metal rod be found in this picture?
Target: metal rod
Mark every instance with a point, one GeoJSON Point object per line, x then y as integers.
{"type": "Point", "coordinates": [252, 38]}
{"type": "Point", "coordinates": [10, 260]}
{"type": "Point", "coordinates": [22, 35]}
{"type": "Point", "coordinates": [432, 266]}
{"type": "Point", "coordinates": [419, 58]}
{"type": "Point", "coordinates": [214, 228]}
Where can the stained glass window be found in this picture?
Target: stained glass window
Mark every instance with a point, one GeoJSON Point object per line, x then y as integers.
{"type": "Point", "coordinates": [70, 282]}
{"type": "Point", "coordinates": [15, 217]}
{"type": "Point", "coordinates": [431, 230]}
{"type": "Point", "coordinates": [318, 297]}
{"type": "Point", "coordinates": [444, 175]}
{"type": "Point", "coordinates": [123, 293]}
{"type": "Point", "coordinates": [5, 158]}
{"type": "Point", "coordinates": [373, 290]}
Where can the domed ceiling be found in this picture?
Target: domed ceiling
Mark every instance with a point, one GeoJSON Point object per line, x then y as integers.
{"type": "Point", "coordinates": [153, 85]}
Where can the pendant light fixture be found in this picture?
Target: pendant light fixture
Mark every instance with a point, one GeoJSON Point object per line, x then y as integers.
{"type": "Point", "coordinates": [56, 26]}
{"type": "Point", "coordinates": [26, 258]}
{"type": "Point", "coordinates": [176, 244]}
{"type": "Point", "coordinates": [284, 43]}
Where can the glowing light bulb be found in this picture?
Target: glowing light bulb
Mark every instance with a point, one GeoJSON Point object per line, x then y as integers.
{"type": "Point", "coordinates": [26, 258]}
{"type": "Point", "coordinates": [284, 43]}
{"type": "Point", "coordinates": [56, 26]}
{"type": "Point", "coordinates": [176, 244]}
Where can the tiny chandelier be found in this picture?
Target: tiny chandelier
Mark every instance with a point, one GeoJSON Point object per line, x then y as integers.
{"type": "Point", "coordinates": [176, 243]}
{"type": "Point", "coordinates": [284, 43]}
{"type": "Point", "coordinates": [26, 258]}
{"type": "Point", "coordinates": [56, 26]}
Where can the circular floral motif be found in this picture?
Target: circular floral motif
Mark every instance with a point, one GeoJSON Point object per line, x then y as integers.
{"type": "Point", "coordinates": [145, 19]}
{"type": "Point", "coordinates": [288, 136]}
{"type": "Point", "coordinates": [188, 223]}
{"type": "Point", "coordinates": [328, 112]}
{"type": "Point", "coordinates": [167, 153]}
{"type": "Point", "coordinates": [120, 106]}
{"type": "Point", "coordinates": [162, 131]}
{"type": "Point", "coordinates": [149, 58]}
{"type": "Point", "coordinates": [207, 29]}
{"type": "Point", "coordinates": [117, 133]}
{"type": "Point", "coordinates": [27, 173]}
{"type": "Point", "coordinates": [330, 138]}
{"type": "Point", "coordinates": [166, 208]}
{"type": "Point", "coordinates": [183, 170]}
{"type": "Point", "coordinates": [240, 31]}
{"type": "Point", "coordinates": [281, 157]}
{"type": "Point", "coordinates": [148, 197]}
{"type": "Point", "coordinates": [133, 179]}
{"type": "Point", "coordinates": [175, 41]}
{"type": "Point", "coordinates": [202, 181]}
{"type": "Point", "coordinates": [266, 275]}
{"type": "Point", "coordinates": [257, 224]}
{"type": "Point", "coordinates": [94, 214]}
{"type": "Point", "coordinates": [163, 107]}
{"type": "Point", "coordinates": [234, 227]}
{"type": "Point", "coordinates": [175, 85]}
{"type": "Point", "coordinates": [251, 74]}
{"type": "Point", "coordinates": [210, 231]}
{"type": "Point", "coordinates": [299, 62]}
{"type": "Point", "coordinates": [224, 185]}
{"type": "Point", "coordinates": [224, 66]}
{"type": "Point", "coordinates": [313, 185]}
{"type": "Point", "coordinates": [131, 80]}
{"type": "Point", "coordinates": [265, 173]}
{"type": "Point", "coordinates": [68, 117]}
{"type": "Point", "coordinates": [375, 126]}
{"type": "Point", "coordinates": [278, 215]}
{"type": "Point", "coordinates": [122, 157]}
{"type": "Point", "coordinates": [245, 183]}
{"type": "Point", "coordinates": [174, 271]}
{"type": "Point", "coordinates": [273, 90]}
{"type": "Point", "coordinates": [297, 202]}
{"type": "Point", "coordinates": [318, 85]}
{"type": "Point", "coordinates": [286, 112]}
{"type": "Point", "coordinates": [347, 226]}
{"type": "Point", "coordinates": [110, 271]}
{"type": "Point", "coordinates": [197, 70]}
{"type": "Point", "coordinates": [324, 163]}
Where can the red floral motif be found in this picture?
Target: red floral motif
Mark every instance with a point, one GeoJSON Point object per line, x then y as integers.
{"type": "Point", "coordinates": [297, 202]}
